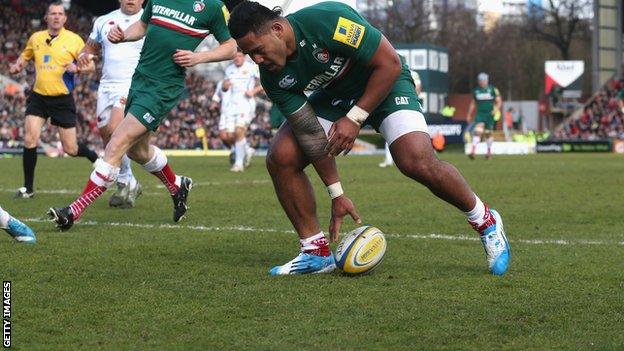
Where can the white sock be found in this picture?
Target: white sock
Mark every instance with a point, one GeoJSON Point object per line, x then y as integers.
{"type": "Point", "coordinates": [132, 183]}
{"type": "Point", "coordinates": [125, 171]}
{"type": "Point", "coordinates": [104, 173]}
{"type": "Point", "coordinates": [247, 146]}
{"type": "Point", "coordinates": [240, 152]}
{"type": "Point", "coordinates": [309, 244]}
{"type": "Point", "coordinates": [489, 142]}
{"type": "Point", "coordinates": [477, 214]}
{"type": "Point", "coordinates": [476, 140]}
{"type": "Point", "coordinates": [4, 218]}
{"type": "Point", "coordinates": [388, 154]}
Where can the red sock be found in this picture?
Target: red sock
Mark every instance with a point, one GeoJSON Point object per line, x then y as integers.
{"type": "Point", "coordinates": [91, 192]}
{"type": "Point", "coordinates": [168, 178]}
{"type": "Point", "coordinates": [320, 247]}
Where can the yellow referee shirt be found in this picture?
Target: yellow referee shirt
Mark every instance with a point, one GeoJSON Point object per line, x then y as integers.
{"type": "Point", "coordinates": [51, 56]}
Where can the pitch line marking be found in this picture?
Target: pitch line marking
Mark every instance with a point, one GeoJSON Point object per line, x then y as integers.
{"type": "Point", "coordinates": [432, 236]}
{"type": "Point", "coordinates": [159, 186]}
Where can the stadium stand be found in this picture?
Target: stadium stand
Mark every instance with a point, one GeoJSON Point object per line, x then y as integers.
{"type": "Point", "coordinates": [601, 117]}
{"type": "Point", "coordinates": [17, 22]}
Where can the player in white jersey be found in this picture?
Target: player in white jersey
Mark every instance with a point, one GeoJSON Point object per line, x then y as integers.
{"type": "Point", "coordinates": [240, 109]}
{"type": "Point", "coordinates": [119, 63]}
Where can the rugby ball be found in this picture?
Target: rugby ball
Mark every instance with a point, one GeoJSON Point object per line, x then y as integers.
{"type": "Point", "coordinates": [361, 250]}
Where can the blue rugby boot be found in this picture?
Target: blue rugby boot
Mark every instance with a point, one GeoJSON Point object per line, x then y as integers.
{"type": "Point", "coordinates": [306, 263]}
{"type": "Point", "coordinates": [20, 231]}
{"type": "Point", "coordinates": [495, 244]}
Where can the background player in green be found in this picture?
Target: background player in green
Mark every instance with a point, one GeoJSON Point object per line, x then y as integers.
{"type": "Point", "coordinates": [355, 77]}
{"type": "Point", "coordinates": [172, 30]}
{"type": "Point", "coordinates": [487, 102]}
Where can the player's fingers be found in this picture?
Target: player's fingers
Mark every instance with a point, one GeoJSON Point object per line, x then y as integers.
{"type": "Point", "coordinates": [354, 215]}
{"type": "Point", "coordinates": [348, 148]}
{"type": "Point", "coordinates": [331, 133]}
{"type": "Point", "coordinates": [337, 223]}
{"type": "Point", "coordinates": [337, 147]}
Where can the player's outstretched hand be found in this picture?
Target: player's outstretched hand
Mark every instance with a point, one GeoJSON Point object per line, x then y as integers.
{"type": "Point", "coordinates": [341, 206]}
{"type": "Point", "coordinates": [185, 58]}
{"type": "Point", "coordinates": [342, 136]}
{"type": "Point", "coordinates": [116, 35]}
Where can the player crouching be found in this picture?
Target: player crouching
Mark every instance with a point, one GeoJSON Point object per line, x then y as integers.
{"type": "Point", "coordinates": [330, 72]}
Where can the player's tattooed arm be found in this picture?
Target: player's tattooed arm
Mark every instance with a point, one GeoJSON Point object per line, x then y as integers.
{"type": "Point", "coordinates": [312, 139]}
{"type": "Point", "coordinates": [309, 132]}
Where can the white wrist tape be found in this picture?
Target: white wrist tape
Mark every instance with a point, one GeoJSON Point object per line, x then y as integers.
{"type": "Point", "coordinates": [335, 190]}
{"type": "Point", "coordinates": [357, 115]}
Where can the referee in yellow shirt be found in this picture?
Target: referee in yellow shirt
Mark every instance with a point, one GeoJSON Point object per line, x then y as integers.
{"type": "Point", "coordinates": [55, 52]}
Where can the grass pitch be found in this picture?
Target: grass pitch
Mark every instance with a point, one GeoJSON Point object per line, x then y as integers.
{"type": "Point", "coordinates": [130, 279]}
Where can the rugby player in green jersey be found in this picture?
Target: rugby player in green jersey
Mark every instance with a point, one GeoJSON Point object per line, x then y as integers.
{"type": "Point", "coordinates": [487, 102]}
{"type": "Point", "coordinates": [330, 72]}
{"type": "Point", "coordinates": [172, 30]}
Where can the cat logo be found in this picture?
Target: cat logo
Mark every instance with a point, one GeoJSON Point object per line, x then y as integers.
{"type": "Point", "coordinates": [401, 100]}
{"type": "Point", "coordinates": [148, 117]}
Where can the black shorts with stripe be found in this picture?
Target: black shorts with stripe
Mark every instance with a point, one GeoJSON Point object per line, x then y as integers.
{"type": "Point", "coordinates": [60, 109]}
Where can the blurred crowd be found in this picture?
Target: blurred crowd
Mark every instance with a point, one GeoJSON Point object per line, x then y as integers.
{"type": "Point", "coordinates": [194, 111]}
{"type": "Point", "coordinates": [602, 117]}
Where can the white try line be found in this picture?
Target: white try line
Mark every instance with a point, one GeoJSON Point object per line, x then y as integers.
{"type": "Point", "coordinates": [159, 186]}
{"type": "Point", "coordinates": [433, 236]}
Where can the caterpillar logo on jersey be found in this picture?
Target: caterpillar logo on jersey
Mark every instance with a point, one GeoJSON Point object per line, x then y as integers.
{"type": "Point", "coordinates": [349, 32]}
{"type": "Point", "coordinates": [401, 100]}
{"type": "Point", "coordinates": [198, 5]}
{"type": "Point", "coordinates": [287, 82]}
{"type": "Point", "coordinates": [148, 117]}
{"type": "Point", "coordinates": [321, 55]}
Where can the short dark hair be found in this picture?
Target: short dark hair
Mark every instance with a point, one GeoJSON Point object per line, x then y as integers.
{"type": "Point", "coordinates": [55, 3]}
{"type": "Point", "coordinates": [250, 16]}
{"type": "Point", "coordinates": [231, 4]}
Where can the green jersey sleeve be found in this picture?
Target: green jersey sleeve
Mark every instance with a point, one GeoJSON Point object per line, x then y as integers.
{"type": "Point", "coordinates": [288, 102]}
{"type": "Point", "coordinates": [147, 12]}
{"type": "Point", "coordinates": [218, 23]}
{"type": "Point", "coordinates": [350, 34]}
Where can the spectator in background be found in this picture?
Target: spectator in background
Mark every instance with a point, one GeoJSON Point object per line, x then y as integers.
{"type": "Point", "coordinates": [602, 117]}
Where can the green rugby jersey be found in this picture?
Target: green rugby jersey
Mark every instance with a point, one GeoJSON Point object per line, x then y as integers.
{"type": "Point", "coordinates": [485, 99]}
{"type": "Point", "coordinates": [178, 24]}
{"type": "Point", "coordinates": [334, 46]}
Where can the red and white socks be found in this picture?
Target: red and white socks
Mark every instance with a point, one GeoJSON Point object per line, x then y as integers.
{"type": "Point", "coordinates": [316, 245]}
{"type": "Point", "coordinates": [159, 167]}
{"type": "Point", "coordinates": [475, 141]}
{"type": "Point", "coordinates": [489, 141]}
{"type": "Point", "coordinates": [480, 217]}
{"type": "Point", "coordinates": [102, 177]}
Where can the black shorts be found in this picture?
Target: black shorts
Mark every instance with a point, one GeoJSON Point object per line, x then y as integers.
{"type": "Point", "coordinates": [60, 109]}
